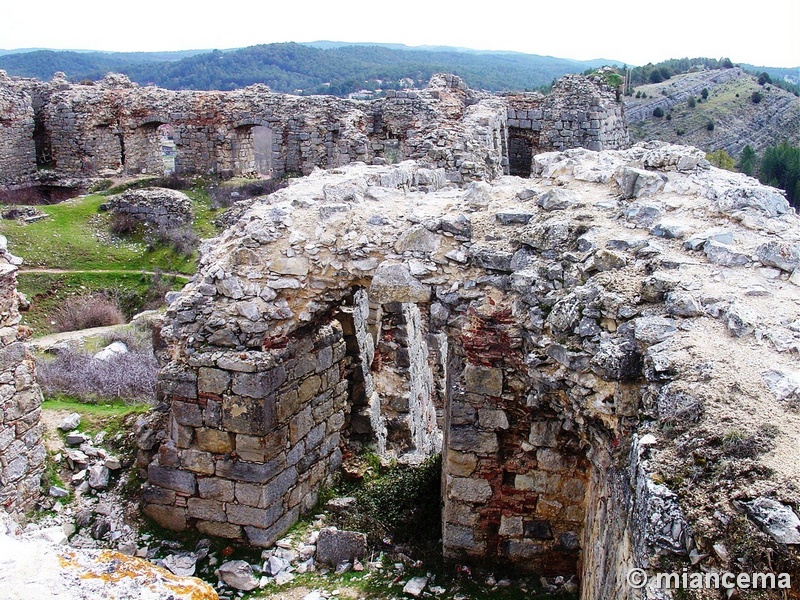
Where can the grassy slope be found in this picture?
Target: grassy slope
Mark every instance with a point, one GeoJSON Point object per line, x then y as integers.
{"type": "Point", "coordinates": [737, 120]}
{"type": "Point", "coordinates": [76, 238]}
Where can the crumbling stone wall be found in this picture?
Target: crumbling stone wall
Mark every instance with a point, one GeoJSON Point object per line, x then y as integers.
{"type": "Point", "coordinates": [566, 321]}
{"type": "Point", "coordinates": [22, 450]}
{"type": "Point", "coordinates": [252, 435]}
{"type": "Point", "coordinates": [112, 126]}
{"type": "Point", "coordinates": [158, 207]}
{"type": "Point", "coordinates": [17, 157]}
{"type": "Point", "coordinates": [580, 112]}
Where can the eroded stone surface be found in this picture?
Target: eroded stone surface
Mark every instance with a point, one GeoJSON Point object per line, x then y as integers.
{"type": "Point", "coordinates": [22, 452]}
{"type": "Point", "coordinates": [33, 567]}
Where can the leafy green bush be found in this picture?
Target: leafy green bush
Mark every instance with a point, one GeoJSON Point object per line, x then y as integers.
{"type": "Point", "coordinates": [720, 158]}
{"type": "Point", "coordinates": [403, 503]}
{"type": "Point", "coordinates": [710, 126]}
{"type": "Point", "coordinates": [756, 97]}
{"type": "Point", "coordinates": [692, 102]}
{"type": "Point", "coordinates": [658, 112]}
{"type": "Point", "coordinates": [704, 93]}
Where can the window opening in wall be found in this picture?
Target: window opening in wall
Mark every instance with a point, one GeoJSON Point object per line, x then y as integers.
{"type": "Point", "coordinates": [42, 144]}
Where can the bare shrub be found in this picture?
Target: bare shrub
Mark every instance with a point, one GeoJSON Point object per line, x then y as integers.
{"type": "Point", "coordinates": [83, 312]}
{"type": "Point", "coordinates": [123, 224]}
{"type": "Point", "coordinates": [182, 239]}
{"type": "Point", "coordinates": [226, 196]}
{"type": "Point", "coordinates": [128, 376]}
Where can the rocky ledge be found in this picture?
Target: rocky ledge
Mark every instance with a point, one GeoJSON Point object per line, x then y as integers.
{"type": "Point", "coordinates": [36, 564]}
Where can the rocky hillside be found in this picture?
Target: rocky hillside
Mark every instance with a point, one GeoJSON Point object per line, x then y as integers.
{"type": "Point", "coordinates": [737, 120]}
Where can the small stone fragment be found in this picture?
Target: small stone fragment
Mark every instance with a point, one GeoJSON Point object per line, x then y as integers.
{"type": "Point", "coordinates": [238, 574]}
{"type": "Point", "coordinates": [415, 586]}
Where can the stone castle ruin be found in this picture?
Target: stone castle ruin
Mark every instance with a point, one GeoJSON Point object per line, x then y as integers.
{"type": "Point", "coordinates": [496, 278]}
{"type": "Point", "coordinates": [64, 130]}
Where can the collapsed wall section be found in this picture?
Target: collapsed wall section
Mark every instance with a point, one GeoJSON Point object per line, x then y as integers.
{"type": "Point", "coordinates": [17, 151]}
{"type": "Point", "coordinates": [515, 474]}
{"type": "Point", "coordinates": [579, 112]}
{"type": "Point", "coordinates": [566, 321]}
{"type": "Point", "coordinates": [113, 126]}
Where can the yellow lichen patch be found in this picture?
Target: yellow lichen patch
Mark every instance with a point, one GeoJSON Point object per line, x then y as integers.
{"type": "Point", "coordinates": [112, 567]}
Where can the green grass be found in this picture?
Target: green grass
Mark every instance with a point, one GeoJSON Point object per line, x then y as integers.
{"type": "Point", "coordinates": [134, 291]}
{"type": "Point", "coordinates": [371, 584]}
{"type": "Point", "coordinates": [51, 477]}
{"type": "Point", "coordinates": [75, 237]}
{"type": "Point", "coordinates": [108, 416]}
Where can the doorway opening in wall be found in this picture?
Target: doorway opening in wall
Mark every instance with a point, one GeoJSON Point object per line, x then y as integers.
{"type": "Point", "coordinates": [262, 150]}
{"type": "Point", "coordinates": [42, 145]}
{"type": "Point", "coordinates": [520, 155]}
{"type": "Point", "coordinates": [166, 142]}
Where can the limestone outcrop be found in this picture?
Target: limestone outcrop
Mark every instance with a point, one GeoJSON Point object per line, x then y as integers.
{"type": "Point", "coordinates": [605, 354]}
{"type": "Point", "coordinates": [39, 564]}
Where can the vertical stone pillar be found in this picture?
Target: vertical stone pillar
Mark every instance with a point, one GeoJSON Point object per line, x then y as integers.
{"type": "Point", "coordinates": [22, 453]}
{"type": "Point", "coordinates": [17, 149]}
{"type": "Point", "coordinates": [252, 437]}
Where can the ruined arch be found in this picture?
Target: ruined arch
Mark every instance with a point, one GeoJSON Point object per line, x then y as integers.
{"type": "Point", "coordinates": [252, 147]}
{"type": "Point", "coordinates": [150, 146]}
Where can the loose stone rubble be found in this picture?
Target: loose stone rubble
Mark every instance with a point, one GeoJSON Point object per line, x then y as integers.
{"type": "Point", "coordinates": [39, 564]}
{"type": "Point", "coordinates": [542, 332]}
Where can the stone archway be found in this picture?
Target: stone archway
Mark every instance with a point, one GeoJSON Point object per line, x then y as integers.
{"type": "Point", "coordinates": [252, 148]}
{"type": "Point", "coordinates": [150, 147]}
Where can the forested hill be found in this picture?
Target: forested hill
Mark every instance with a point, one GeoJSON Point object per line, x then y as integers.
{"type": "Point", "coordinates": [300, 68]}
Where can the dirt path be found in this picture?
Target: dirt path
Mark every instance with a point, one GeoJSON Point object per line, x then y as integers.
{"type": "Point", "coordinates": [46, 342]}
{"type": "Point", "coordinates": [104, 271]}
{"type": "Point", "coordinates": [50, 420]}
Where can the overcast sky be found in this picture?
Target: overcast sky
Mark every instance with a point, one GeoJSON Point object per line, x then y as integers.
{"type": "Point", "coordinates": [632, 31]}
